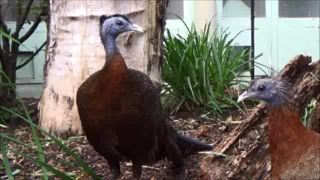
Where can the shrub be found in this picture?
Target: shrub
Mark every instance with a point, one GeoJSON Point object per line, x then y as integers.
{"type": "Point", "coordinates": [198, 69]}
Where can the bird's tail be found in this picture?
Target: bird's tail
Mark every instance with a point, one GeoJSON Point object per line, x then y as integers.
{"type": "Point", "coordinates": [188, 145]}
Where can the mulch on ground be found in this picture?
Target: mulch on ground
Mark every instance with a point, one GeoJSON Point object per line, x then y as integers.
{"type": "Point", "coordinates": [211, 131]}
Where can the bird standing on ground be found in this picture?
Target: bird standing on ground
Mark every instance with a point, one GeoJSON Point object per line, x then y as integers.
{"type": "Point", "coordinates": [295, 149]}
{"type": "Point", "coordinates": [121, 113]}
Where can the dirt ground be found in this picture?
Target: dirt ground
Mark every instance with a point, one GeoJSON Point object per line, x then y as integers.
{"type": "Point", "coordinates": [211, 131]}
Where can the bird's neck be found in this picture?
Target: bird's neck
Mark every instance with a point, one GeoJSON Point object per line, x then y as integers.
{"type": "Point", "coordinates": [113, 56]}
{"type": "Point", "coordinates": [110, 45]}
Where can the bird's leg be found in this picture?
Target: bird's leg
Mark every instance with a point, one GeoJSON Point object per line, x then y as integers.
{"type": "Point", "coordinates": [113, 157]}
{"type": "Point", "coordinates": [137, 169]}
{"type": "Point", "coordinates": [173, 153]}
{"type": "Point", "coordinates": [113, 153]}
{"type": "Point", "coordinates": [115, 168]}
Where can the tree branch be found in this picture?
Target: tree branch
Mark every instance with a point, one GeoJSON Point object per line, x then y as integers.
{"type": "Point", "coordinates": [5, 44]}
{"type": "Point", "coordinates": [31, 58]}
{"type": "Point", "coordinates": [3, 25]}
{"type": "Point", "coordinates": [32, 29]}
{"type": "Point", "coordinates": [3, 10]}
{"type": "Point", "coordinates": [24, 17]}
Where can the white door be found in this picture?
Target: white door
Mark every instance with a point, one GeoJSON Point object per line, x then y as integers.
{"type": "Point", "coordinates": [283, 28]}
{"type": "Point", "coordinates": [183, 8]}
{"type": "Point", "coordinates": [296, 30]}
{"type": "Point", "coordinates": [235, 15]}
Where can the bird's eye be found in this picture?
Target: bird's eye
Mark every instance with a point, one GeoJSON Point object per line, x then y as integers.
{"type": "Point", "coordinates": [120, 23]}
{"type": "Point", "coordinates": [261, 87]}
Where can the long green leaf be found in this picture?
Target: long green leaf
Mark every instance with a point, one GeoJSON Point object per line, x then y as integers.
{"type": "Point", "coordinates": [64, 162]}
{"type": "Point", "coordinates": [11, 38]}
{"type": "Point", "coordinates": [63, 147]}
{"type": "Point", "coordinates": [43, 164]}
{"type": "Point", "coordinates": [6, 160]}
{"type": "Point", "coordinates": [34, 133]}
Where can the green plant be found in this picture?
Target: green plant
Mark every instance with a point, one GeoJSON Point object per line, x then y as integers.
{"type": "Point", "coordinates": [198, 69]}
{"type": "Point", "coordinates": [308, 111]}
{"type": "Point", "coordinates": [5, 116]}
{"type": "Point", "coordinates": [80, 165]}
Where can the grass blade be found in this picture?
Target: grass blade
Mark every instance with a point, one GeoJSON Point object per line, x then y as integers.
{"type": "Point", "coordinates": [66, 163]}
{"type": "Point", "coordinates": [63, 147]}
{"type": "Point", "coordinates": [5, 159]}
{"type": "Point", "coordinates": [34, 133]}
{"type": "Point", "coordinates": [45, 165]}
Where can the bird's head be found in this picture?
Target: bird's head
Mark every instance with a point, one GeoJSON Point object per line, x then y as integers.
{"type": "Point", "coordinates": [272, 91]}
{"type": "Point", "coordinates": [116, 24]}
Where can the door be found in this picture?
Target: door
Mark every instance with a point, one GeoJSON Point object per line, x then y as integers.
{"type": "Point", "coordinates": [296, 30]}
{"type": "Point", "coordinates": [235, 15]}
{"type": "Point", "coordinates": [183, 8]}
{"type": "Point", "coordinates": [283, 29]}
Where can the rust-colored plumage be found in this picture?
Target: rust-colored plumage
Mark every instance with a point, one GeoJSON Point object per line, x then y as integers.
{"type": "Point", "coordinates": [295, 149]}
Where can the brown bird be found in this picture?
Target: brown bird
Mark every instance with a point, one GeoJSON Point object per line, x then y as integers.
{"type": "Point", "coordinates": [295, 149]}
{"type": "Point", "coordinates": [121, 113]}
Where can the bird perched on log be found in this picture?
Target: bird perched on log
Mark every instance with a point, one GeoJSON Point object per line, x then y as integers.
{"type": "Point", "coordinates": [295, 149]}
{"type": "Point", "coordinates": [121, 113]}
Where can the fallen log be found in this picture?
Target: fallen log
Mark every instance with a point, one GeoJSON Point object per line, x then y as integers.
{"type": "Point", "coordinates": [247, 145]}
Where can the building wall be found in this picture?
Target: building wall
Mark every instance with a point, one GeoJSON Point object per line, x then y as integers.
{"type": "Point", "coordinates": [271, 35]}
{"type": "Point", "coordinates": [205, 11]}
{"type": "Point", "coordinates": [192, 11]}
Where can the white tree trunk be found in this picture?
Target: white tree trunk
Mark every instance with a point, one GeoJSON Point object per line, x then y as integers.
{"type": "Point", "coordinates": [75, 51]}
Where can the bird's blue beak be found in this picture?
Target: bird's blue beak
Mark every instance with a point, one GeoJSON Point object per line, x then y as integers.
{"type": "Point", "coordinates": [135, 27]}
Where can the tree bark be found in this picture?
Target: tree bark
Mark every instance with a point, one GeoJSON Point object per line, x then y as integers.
{"type": "Point", "coordinates": [247, 145]}
{"type": "Point", "coordinates": [74, 51]}
{"type": "Point", "coordinates": [9, 79]}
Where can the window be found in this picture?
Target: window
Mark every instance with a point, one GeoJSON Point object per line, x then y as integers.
{"type": "Point", "coordinates": [299, 8]}
{"type": "Point", "coordinates": [27, 71]}
{"type": "Point", "coordinates": [175, 7]}
{"type": "Point", "coordinates": [241, 8]}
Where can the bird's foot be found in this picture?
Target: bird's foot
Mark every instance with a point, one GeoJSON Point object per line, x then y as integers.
{"type": "Point", "coordinates": [137, 169]}
{"type": "Point", "coordinates": [177, 168]}
{"type": "Point", "coordinates": [115, 169]}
